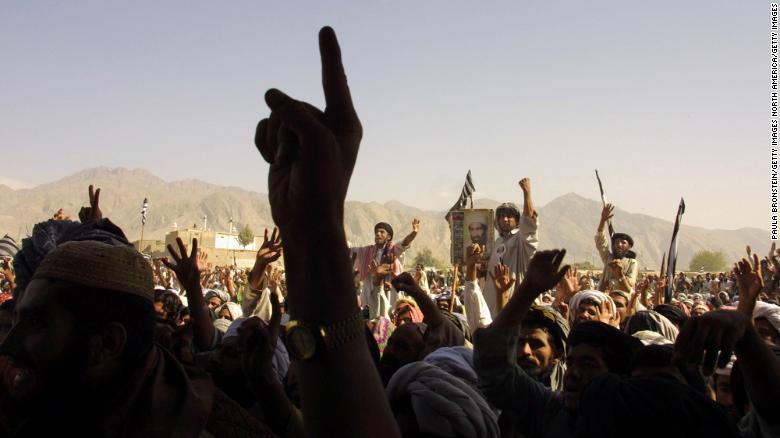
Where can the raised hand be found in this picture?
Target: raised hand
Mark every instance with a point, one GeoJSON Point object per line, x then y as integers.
{"type": "Point", "coordinates": [275, 280]}
{"type": "Point", "coordinates": [311, 152]}
{"type": "Point", "coordinates": [607, 213]}
{"type": "Point", "coordinates": [568, 285]}
{"type": "Point", "coordinates": [203, 262]}
{"type": "Point", "coordinates": [544, 270]}
{"type": "Point", "coordinates": [185, 266]}
{"type": "Point", "coordinates": [473, 254]}
{"type": "Point", "coordinates": [271, 249]}
{"type": "Point", "coordinates": [525, 184]}
{"type": "Point", "coordinates": [502, 278]}
{"type": "Point", "coordinates": [749, 282]}
{"type": "Point", "coordinates": [416, 225]}
{"type": "Point", "coordinates": [405, 283]}
{"type": "Point", "coordinates": [701, 338]}
{"type": "Point", "coordinates": [605, 313]}
{"type": "Point", "coordinates": [92, 212]}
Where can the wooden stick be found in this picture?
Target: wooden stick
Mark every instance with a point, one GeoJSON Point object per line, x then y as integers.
{"type": "Point", "coordinates": [454, 288]}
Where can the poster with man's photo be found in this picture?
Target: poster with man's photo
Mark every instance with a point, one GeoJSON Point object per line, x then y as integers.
{"type": "Point", "coordinates": [469, 227]}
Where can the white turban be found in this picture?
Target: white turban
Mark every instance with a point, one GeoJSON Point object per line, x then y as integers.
{"type": "Point", "coordinates": [769, 311]}
{"type": "Point", "coordinates": [233, 308]}
{"type": "Point", "coordinates": [443, 404]}
{"type": "Point", "coordinates": [597, 296]}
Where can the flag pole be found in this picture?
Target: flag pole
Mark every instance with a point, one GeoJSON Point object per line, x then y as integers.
{"type": "Point", "coordinates": [141, 242]}
{"type": "Point", "coordinates": [604, 204]}
{"type": "Point", "coordinates": [454, 288]}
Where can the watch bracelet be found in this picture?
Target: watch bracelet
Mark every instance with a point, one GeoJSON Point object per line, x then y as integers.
{"type": "Point", "coordinates": [342, 332]}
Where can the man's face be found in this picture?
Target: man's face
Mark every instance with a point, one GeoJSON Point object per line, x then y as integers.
{"type": "Point", "coordinates": [212, 303]}
{"type": "Point", "coordinates": [621, 305]}
{"type": "Point", "coordinates": [535, 353]}
{"type": "Point", "coordinates": [507, 222]}
{"type": "Point", "coordinates": [723, 393]}
{"type": "Point", "coordinates": [477, 233]}
{"type": "Point", "coordinates": [583, 364]}
{"type": "Point", "coordinates": [587, 312]}
{"type": "Point", "coordinates": [225, 313]}
{"type": "Point", "coordinates": [766, 331]}
{"type": "Point", "coordinates": [381, 236]}
{"type": "Point", "coordinates": [620, 247]}
{"type": "Point", "coordinates": [403, 347]}
{"type": "Point", "coordinates": [45, 346]}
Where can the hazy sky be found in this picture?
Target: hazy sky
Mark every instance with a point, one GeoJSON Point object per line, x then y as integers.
{"type": "Point", "coordinates": [666, 98]}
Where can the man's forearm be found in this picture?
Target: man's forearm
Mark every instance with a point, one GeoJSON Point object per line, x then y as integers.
{"type": "Point", "coordinates": [761, 370]}
{"type": "Point", "coordinates": [432, 314]}
{"type": "Point", "coordinates": [323, 381]}
{"type": "Point", "coordinates": [256, 274]}
{"type": "Point", "coordinates": [409, 238]}
{"type": "Point", "coordinates": [516, 309]}
{"type": "Point", "coordinates": [528, 204]}
{"type": "Point", "coordinates": [319, 281]}
{"type": "Point", "coordinates": [202, 327]}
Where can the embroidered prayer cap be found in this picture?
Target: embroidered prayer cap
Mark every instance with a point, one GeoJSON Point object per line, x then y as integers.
{"type": "Point", "coordinates": [99, 265]}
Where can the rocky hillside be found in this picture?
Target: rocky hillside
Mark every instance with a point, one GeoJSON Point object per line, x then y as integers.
{"type": "Point", "coordinates": [568, 221]}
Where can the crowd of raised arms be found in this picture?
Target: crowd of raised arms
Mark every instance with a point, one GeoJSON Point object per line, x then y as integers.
{"type": "Point", "coordinates": [322, 339]}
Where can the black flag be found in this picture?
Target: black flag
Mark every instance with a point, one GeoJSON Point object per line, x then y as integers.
{"type": "Point", "coordinates": [672, 263]}
{"type": "Point", "coordinates": [143, 211]}
{"type": "Point", "coordinates": [465, 195]}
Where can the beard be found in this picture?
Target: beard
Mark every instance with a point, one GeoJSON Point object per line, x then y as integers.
{"type": "Point", "coordinates": [58, 386]}
{"type": "Point", "coordinates": [540, 374]}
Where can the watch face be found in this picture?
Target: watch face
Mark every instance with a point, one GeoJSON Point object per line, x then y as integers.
{"type": "Point", "coordinates": [301, 342]}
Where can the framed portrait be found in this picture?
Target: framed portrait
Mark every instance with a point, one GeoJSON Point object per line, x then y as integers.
{"type": "Point", "coordinates": [468, 227]}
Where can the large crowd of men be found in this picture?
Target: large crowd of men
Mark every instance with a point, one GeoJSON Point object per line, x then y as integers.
{"type": "Point", "coordinates": [320, 339]}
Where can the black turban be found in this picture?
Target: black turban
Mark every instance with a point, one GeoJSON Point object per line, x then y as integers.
{"type": "Point", "coordinates": [384, 226]}
{"type": "Point", "coordinates": [618, 348]}
{"type": "Point", "coordinates": [649, 407]}
{"type": "Point", "coordinates": [623, 236]}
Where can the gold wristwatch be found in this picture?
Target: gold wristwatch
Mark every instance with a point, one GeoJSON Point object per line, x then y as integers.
{"type": "Point", "coordinates": [304, 340]}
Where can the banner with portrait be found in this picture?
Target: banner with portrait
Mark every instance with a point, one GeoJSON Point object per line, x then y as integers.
{"type": "Point", "coordinates": [468, 227]}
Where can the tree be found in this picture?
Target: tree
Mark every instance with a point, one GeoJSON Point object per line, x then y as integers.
{"type": "Point", "coordinates": [425, 257]}
{"type": "Point", "coordinates": [246, 236]}
{"type": "Point", "coordinates": [584, 266]}
{"type": "Point", "coordinates": [710, 261]}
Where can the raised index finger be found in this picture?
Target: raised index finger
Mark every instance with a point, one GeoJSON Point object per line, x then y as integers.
{"type": "Point", "coordinates": [338, 100]}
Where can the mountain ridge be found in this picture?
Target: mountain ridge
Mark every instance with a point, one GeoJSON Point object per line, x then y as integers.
{"type": "Point", "coordinates": [568, 221]}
